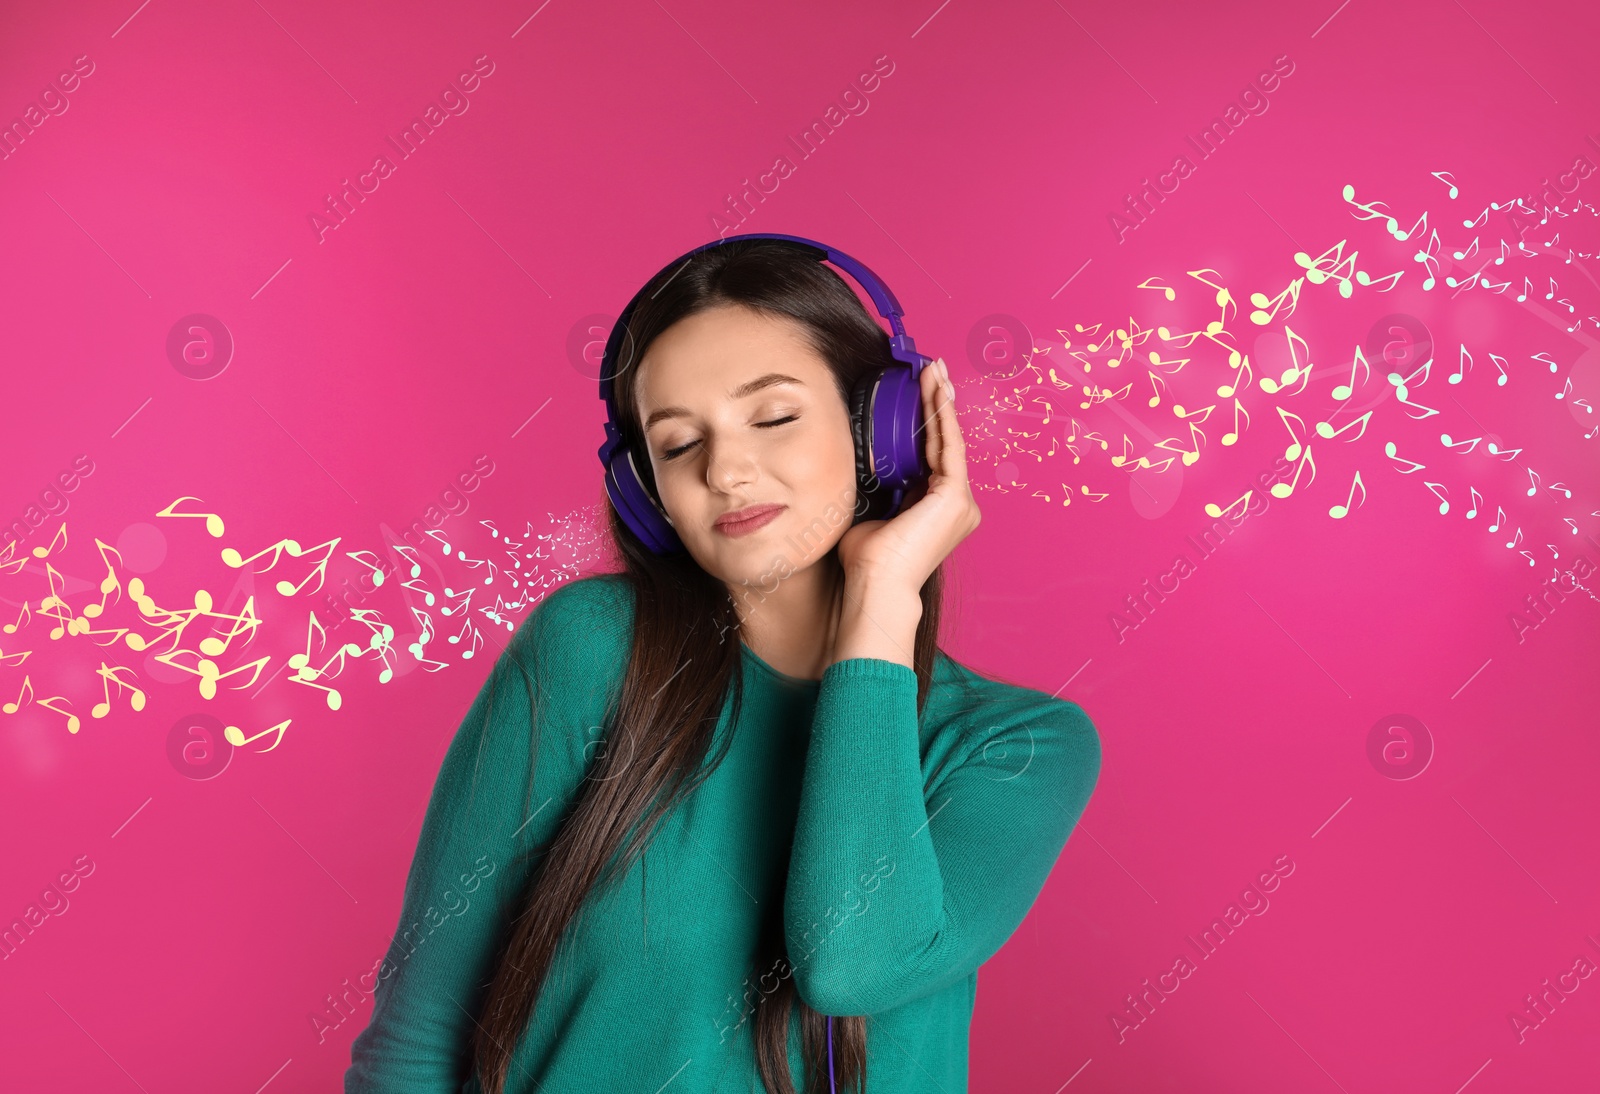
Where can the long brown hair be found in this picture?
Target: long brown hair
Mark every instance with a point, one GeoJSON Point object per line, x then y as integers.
{"type": "Point", "coordinates": [682, 669]}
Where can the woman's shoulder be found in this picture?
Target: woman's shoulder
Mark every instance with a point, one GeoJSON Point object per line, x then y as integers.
{"type": "Point", "coordinates": [581, 625]}
{"type": "Point", "coordinates": [978, 707]}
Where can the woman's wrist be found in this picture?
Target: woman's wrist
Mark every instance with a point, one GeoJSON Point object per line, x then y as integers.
{"type": "Point", "coordinates": [877, 619]}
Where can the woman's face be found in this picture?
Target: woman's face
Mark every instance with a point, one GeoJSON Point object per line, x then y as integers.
{"type": "Point", "coordinates": [743, 419]}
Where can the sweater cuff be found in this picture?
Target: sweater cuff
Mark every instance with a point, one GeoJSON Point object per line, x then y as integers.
{"type": "Point", "coordinates": [866, 691]}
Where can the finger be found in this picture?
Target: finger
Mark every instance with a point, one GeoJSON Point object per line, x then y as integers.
{"type": "Point", "coordinates": [931, 396]}
{"type": "Point", "coordinates": [952, 447]}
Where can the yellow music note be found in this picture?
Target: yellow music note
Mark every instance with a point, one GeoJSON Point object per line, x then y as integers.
{"type": "Point", "coordinates": [24, 697]}
{"type": "Point", "coordinates": [1215, 511]}
{"type": "Point", "coordinates": [1326, 431]}
{"type": "Point", "coordinates": [1145, 284]}
{"type": "Point", "coordinates": [1284, 489]}
{"type": "Point", "coordinates": [1293, 451]}
{"type": "Point", "coordinates": [1233, 435]}
{"type": "Point", "coordinates": [59, 540]}
{"type": "Point", "coordinates": [1228, 390]}
{"type": "Point", "coordinates": [1198, 415]}
{"type": "Point", "coordinates": [1339, 512]}
{"type": "Point", "coordinates": [72, 719]}
{"type": "Point", "coordinates": [1127, 448]}
{"type": "Point", "coordinates": [109, 676]}
{"type": "Point", "coordinates": [1261, 316]}
{"type": "Point", "coordinates": [213, 521]}
{"type": "Point", "coordinates": [1189, 456]}
{"type": "Point", "coordinates": [1294, 371]}
{"type": "Point", "coordinates": [21, 621]}
{"type": "Point", "coordinates": [235, 736]}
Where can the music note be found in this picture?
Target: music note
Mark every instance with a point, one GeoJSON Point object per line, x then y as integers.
{"type": "Point", "coordinates": [1156, 384]}
{"type": "Point", "coordinates": [1146, 284]}
{"type": "Point", "coordinates": [1517, 538]}
{"type": "Point", "coordinates": [438, 535]}
{"type": "Point", "coordinates": [24, 697]}
{"type": "Point", "coordinates": [1477, 499]}
{"type": "Point", "coordinates": [1545, 357]}
{"type": "Point", "coordinates": [213, 521]}
{"type": "Point", "coordinates": [1293, 451]}
{"type": "Point", "coordinates": [72, 719]}
{"type": "Point", "coordinates": [1364, 278]}
{"type": "Point", "coordinates": [1233, 435]}
{"type": "Point", "coordinates": [1465, 366]}
{"type": "Point", "coordinates": [1127, 447]}
{"type": "Point", "coordinates": [1499, 364]}
{"type": "Point", "coordinates": [1215, 511]}
{"type": "Point", "coordinates": [1469, 253]}
{"type": "Point", "coordinates": [235, 736]}
{"type": "Point", "coordinates": [1527, 286]}
{"type": "Point", "coordinates": [1499, 517]}
{"type": "Point", "coordinates": [1284, 489]}
{"type": "Point", "coordinates": [1435, 487]}
{"type": "Point", "coordinates": [1429, 262]}
{"type": "Point", "coordinates": [1261, 317]}
{"type": "Point", "coordinates": [1339, 512]}
{"type": "Point", "coordinates": [1507, 453]}
{"type": "Point", "coordinates": [21, 621]}
{"type": "Point", "coordinates": [1294, 371]}
{"type": "Point", "coordinates": [1389, 450]}
{"type": "Point", "coordinates": [109, 676]}
{"type": "Point", "coordinates": [1444, 439]}
{"type": "Point", "coordinates": [59, 540]}
{"type": "Point", "coordinates": [1448, 179]}
{"type": "Point", "coordinates": [1344, 391]}
{"type": "Point", "coordinates": [1228, 390]}
{"type": "Point", "coordinates": [1189, 455]}
{"type": "Point", "coordinates": [1533, 477]}
{"type": "Point", "coordinates": [1326, 431]}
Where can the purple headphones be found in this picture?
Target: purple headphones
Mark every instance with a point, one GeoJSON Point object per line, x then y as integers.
{"type": "Point", "coordinates": [885, 412]}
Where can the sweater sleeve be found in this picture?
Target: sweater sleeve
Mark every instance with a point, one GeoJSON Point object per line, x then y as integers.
{"type": "Point", "coordinates": [898, 887]}
{"type": "Point", "coordinates": [471, 864]}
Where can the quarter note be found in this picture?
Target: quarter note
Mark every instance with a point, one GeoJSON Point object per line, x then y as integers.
{"type": "Point", "coordinates": [1233, 435]}
{"type": "Point", "coordinates": [1339, 512]}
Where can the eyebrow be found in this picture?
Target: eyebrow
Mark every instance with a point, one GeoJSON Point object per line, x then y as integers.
{"type": "Point", "coordinates": [749, 387]}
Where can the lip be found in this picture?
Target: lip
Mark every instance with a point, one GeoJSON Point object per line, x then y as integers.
{"type": "Point", "coordinates": [742, 522]}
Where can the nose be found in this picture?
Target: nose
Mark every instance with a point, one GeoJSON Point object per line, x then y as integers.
{"type": "Point", "coordinates": [731, 465]}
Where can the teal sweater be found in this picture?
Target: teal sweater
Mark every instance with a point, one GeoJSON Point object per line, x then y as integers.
{"type": "Point", "coordinates": [914, 848]}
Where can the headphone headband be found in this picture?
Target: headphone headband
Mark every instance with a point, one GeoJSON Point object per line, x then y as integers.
{"type": "Point", "coordinates": [627, 490]}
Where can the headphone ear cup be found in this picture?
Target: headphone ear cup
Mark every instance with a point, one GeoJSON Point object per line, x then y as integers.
{"type": "Point", "coordinates": [637, 508]}
{"type": "Point", "coordinates": [872, 501]}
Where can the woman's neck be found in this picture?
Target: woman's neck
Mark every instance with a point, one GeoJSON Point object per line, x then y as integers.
{"type": "Point", "coordinates": [792, 628]}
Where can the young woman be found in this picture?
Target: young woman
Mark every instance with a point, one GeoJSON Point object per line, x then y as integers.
{"type": "Point", "coordinates": [729, 820]}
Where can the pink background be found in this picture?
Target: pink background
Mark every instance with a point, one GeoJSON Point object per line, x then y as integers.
{"type": "Point", "coordinates": [445, 320]}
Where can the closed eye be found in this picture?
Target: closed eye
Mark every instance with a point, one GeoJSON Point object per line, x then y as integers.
{"type": "Point", "coordinates": [674, 453]}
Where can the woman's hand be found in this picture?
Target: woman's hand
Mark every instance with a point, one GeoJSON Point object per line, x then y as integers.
{"type": "Point", "coordinates": [886, 562]}
{"type": "Point", "coordinates": [904, 550]}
